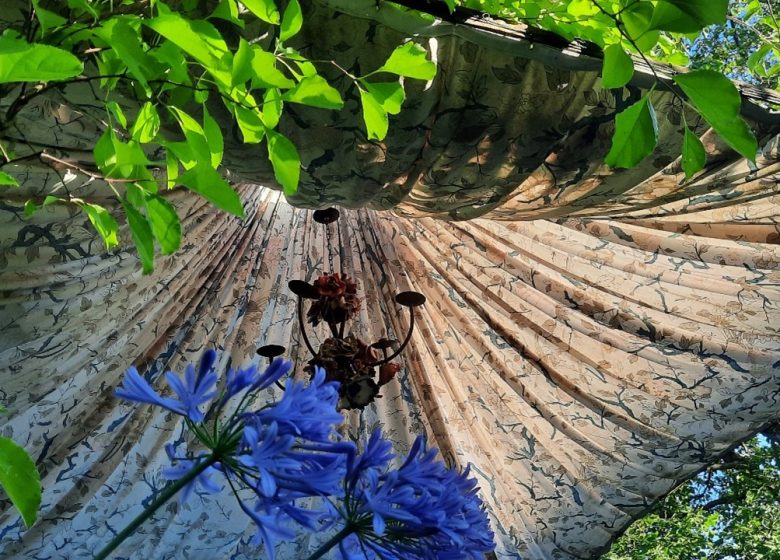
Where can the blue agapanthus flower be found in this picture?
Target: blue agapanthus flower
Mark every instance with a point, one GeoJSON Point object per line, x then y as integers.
{"type": "Point", "coordinates": [307, 411]}
{"type": "Point", "coordinates": [180, 466]}
{"type": "Point", "coordinates": [192, 391]}
{"type": "Point", "coordinates": [253, 380]}
{"type": "Point", "coordinates": [422, 509]}
{"type": "Point", "coordinates": [285, 453]}
{"type": "Point", "coordinates": [290, 468]}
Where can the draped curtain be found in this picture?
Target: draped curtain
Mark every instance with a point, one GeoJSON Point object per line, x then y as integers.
{"type": "Point", "coordinates": [590, 341]}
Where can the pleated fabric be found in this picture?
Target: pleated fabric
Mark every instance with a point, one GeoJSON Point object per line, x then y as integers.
{"type": "Point", "coordinates": [582, 367]}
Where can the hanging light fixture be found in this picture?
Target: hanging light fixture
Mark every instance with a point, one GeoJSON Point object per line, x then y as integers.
{"type": "Point", "coordinates": [360, 368]}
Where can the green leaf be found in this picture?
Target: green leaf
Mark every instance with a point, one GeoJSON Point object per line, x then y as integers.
{"type": "Point", "coordinates": [103, 222]}
{"type": "Point", "coordinates": [582, 8]}
{"type": "Point", "coordinates": [228, 10]}
{"type": "Point", "coordinates": [636, 19]}
{"type": "Point", "coordinates": [125, 40]}
{"type": "Point", "coordinates": [25, 62]}
{"type": "Point", "coordinates": [196, 137]}
{"type": "Point", "coordinates": [250, 123]}
{"type": "Point", "coordinates": [7, 181]}
{"type": "Point", "coordinates": [618, 67]}
{"type": "Point", "coordinates": [20, 479]}
{"type": "Point", "coordinates": [120, 160]}
{"type": "Point", "coordinates": [410, 60]}
{"type": "Point", "coordinates": [266, 10]}
{"type": "Point", "coordinates": [315, 92]}
{"type": "Point", "coordinates": [200, 40]}
{"type": "Point", "coordinates": [693, 156]}
{"type": "Point", "coordinates": [208, 182]}
{"type": "Point", "coordinates": [30, 207]}
{"type": "Point", "coordinates": [272, 107]}
{"type": "Point", "coordinates": [374, 116]}
{"type": "Point", "coordinates": [292, 20]}
{"type": "Point", "coordinates": [114, 108]}
{"type": "Point", "coordinates": [719, 102]}
{"type": "Point", "coordinates": [147, 124]}
{"type": "Point", "coordinates": [47, 19]}
{"type": "Point", "coordinates": [636, 135]}
{"type": "Point", "coordinates": [165, 223]}
{"type": "Point", "coordinates": [171, 168]}
{"type": "Point", "coordinates": [688, 16]}
{"type": "Point", "coordinates": [141, 232]}
{"type": "Point", "coordinates": [83, 7]}
{"type": "Point", "coordinates": [242, 62]}
{"type": "Point", "coordinates": [266, 74]}
{"type": "Point", "coordinates": [285, 161]}
{"type": "Point", "coordinates": [390, 95]}
{"type": "Point", "coordinates": [214, 139]}
{"type": "Point", "coordinates": [754, 61]}
{"type": "Point", "coordinates": [169, 55]}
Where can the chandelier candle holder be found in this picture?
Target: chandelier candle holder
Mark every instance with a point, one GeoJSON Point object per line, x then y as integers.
{"type": "Point", "coordinates": [360, 368]}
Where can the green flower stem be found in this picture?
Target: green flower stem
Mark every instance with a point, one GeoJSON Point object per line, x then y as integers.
{"type": "Point", "coordinates": [164, 496]}
{"type": "Point", "coordinates": [334, 540]}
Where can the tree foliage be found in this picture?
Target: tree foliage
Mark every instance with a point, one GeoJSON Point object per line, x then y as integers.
{"type": "Point", "coordinates": [746, 47]}
{"type": "Point", "coordinates": [172, 58]}
{"type": "Point", "coordinates": [175, 59]}
{"type": "Point", "coordinates": [730, 511]}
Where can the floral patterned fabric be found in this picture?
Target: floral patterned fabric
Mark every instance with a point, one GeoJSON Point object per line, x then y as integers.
{"type": "Point", "coordinates": [591, 337]}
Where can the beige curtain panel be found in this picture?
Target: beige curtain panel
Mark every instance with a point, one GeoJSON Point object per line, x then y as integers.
{"type": "Point", "coordinates": [591, 337]}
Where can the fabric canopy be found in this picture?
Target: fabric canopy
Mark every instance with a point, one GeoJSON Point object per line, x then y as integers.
{"type": "Point", "coordinates": [593, 339]}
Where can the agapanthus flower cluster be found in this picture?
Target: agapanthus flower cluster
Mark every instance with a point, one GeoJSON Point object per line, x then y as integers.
{"type": "Point", "coordinates": [300, 473]}
{"type": "Point", "coordinates": [421, 509]}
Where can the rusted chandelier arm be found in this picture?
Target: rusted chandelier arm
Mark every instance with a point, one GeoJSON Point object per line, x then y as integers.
{"type": "Point", "coordinates": [403, 344]}
{"type": "Point", "coordinates": [303, 327]}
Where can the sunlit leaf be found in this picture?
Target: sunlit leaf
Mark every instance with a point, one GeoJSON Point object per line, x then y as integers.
{"type": "Point", "coordinates": [719, 102]}
{"type": "Point", "coordinates": [688, 16]}
{"type": "Point", "coordinates": [114, 108]}
{"type": "Point", "coordinates": [410, 60]}
{"type": "Point", "coordinates": [199, 39]}
{"type": "Point", "coordinates": [265, 73]}
{"type": "Point", "coordinates": [7, 181]}
{"type": "Point", "coordinates": [196, 137]}
{"type": "Point", "coordinates": [272, 107]}
{"type": "Point", "coordinates": [103, 222]}
{"type": "Point", "coordinates": [617, 68]}
{"type": "Point", "coordinates": [285, 161]}
{"type": "Point", "coordinates": [693, 155]}
{"type": "Point", "coordinates": [250, 123]}
{"type": "Point", "coordinates": [390, 95]}
{"type": "Point", "coordinates": [47, 19]}
{"type": "Point", "coordinates": [209, 183]}
{"type": "Point", "coordinates": [292, 20]}
{"type": "Point", "coordinates": [266, 10]}
{"type": "Point", "coordinates": [165, 223]}
{"type": "Point", "coordinates": [315, 92]}
{"type": "Point", "coordinates": [30, 207]}
{"type": "Point", "coordinates": [125, 40]}
{"type": "Point", "coordinates": [20, 479]}
{"type": "Point", "coordinates": [25, 62]}
{"type": "Point", "coordinates": [147, 124]}
{"type": "Point", "coordinates": [636, 18]}
{"type": "Point", "coordinates": [374, 116]}
{"type": "Point", "coordinates": [228, 10]}
{"type": "Point", "coordinates": [143, 238]}
{"type": "Point", "coordinates": [214, 138]}
{"type": "Point", "coordinates": [636, 135]}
